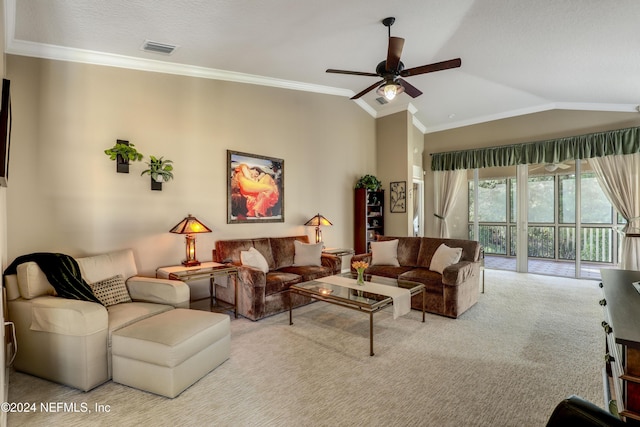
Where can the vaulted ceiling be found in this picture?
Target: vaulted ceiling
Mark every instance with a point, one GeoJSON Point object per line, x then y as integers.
{"type": "Point", "coordinates": [518, 56]}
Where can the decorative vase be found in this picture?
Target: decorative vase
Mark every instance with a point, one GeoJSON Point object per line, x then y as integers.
{"type": "Point", "coordinates": [360, 280]}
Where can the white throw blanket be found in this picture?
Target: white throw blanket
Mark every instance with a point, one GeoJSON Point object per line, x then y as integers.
{"type": "Point", "coordinates": [401, 297]}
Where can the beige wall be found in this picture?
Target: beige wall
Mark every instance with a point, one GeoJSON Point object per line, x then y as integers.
{"type": "Point", "coordinates": [394, 135]}
{"type": "Point", "coordinates": [66, 196]}
{"type": "Point", "coordinates": [523, 129]}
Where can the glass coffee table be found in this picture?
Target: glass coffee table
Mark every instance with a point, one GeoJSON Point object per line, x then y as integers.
{"type": "Point", "coordinates": [355, 298]}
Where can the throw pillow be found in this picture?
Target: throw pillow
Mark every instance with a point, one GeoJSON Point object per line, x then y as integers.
{"type": "Point", "coordinates": [307, 254]}
{"type": "Point", "coordinates": [385, 253]}
{"type": "Point", "coordinates": [111, 291]}
{"type": "Point", "coordinates": [444, 257]}
{"type": "Point", "coordinates": [253, 258]}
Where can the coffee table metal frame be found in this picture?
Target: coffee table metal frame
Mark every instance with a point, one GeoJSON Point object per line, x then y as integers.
{"type": "Point", "coordinates": [359, 303]}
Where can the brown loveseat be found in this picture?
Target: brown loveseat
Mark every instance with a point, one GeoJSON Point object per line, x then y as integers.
{"type": "Point", "coordinates": [449, 294]}
{"type": "Point", "coordinates": [263, 294]}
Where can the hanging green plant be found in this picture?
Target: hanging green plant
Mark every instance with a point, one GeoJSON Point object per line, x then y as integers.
{"type": "Point", "coordinates": [369, 182]}
{"type": "Point", "coordinates": [123, 152]}
{"type": "Point", "coordinates": [127, 151]}
{"type": "Point", "coordinates": [159, 169]}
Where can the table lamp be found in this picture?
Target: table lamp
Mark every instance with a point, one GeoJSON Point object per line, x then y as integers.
{"type": "Point", "coordinates": [317, 221]}
{"type": "Point", "coordinates": [189, 226]}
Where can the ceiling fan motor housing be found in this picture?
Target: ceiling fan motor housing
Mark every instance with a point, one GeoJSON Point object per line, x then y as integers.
{"type": "Point", "coordinates": [381, 69]}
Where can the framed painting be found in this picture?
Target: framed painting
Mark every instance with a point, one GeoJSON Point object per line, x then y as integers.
{"type": "Point", "coordinates": [255, 189]}
{"type": "Point", "coordinates": [398, 197]}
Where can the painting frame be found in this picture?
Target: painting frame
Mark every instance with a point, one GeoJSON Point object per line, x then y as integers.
{"type": "Point", "coordinates": [398, 197]}
{"type": "Point", "coordinates": [255, 188]}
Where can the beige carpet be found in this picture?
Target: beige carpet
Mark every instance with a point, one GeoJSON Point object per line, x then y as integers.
{"type": "Point", "coordinates": [529, 342]}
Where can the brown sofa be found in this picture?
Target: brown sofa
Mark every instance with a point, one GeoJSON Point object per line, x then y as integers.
{"type": "Point", "coordinates": [263, 294]}
{"type": "Point", "coordinates": [449, 294]}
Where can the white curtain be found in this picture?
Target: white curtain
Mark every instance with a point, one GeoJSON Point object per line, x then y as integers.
{"type": "Point", "coordinates": [619, 178]}
{"type": "Point", "coordinates": [447, 185]}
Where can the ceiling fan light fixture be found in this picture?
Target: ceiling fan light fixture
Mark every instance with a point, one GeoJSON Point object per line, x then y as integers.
{"type": "Point", "coordinates": [389, 90]}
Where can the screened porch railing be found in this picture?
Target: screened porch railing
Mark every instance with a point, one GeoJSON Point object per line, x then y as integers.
{"type": "Point", "coordinates": [596, 241]}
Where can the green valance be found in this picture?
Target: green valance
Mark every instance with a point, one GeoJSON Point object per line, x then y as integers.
{"type": "Point", "coordinates": [600, 144]}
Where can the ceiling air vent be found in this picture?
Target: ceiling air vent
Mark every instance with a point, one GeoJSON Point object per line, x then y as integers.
{"type": "Point", "coordinates": [155, 47]}
{"type": "Point", "coordinates": [381, 100]}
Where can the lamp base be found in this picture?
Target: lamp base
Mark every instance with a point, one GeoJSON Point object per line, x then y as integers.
{"type": "Point", "coordinates": [191, 263]}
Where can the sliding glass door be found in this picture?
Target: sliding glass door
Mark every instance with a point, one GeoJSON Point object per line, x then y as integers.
{"type": "Point", "coordinates": [567, 226]}
{"type": "Point", "coordinates": [491, 215]}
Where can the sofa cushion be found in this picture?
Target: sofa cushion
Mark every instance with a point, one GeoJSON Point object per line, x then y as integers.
{"type": "Point", "coordinates": [121, 315]}
{"type": "Point", "coordinates": [430, 279]}
{"type": "Point", "coordinates": [61, 271]}
{"type": "Point", "coordinates": [283, 250]}
{"type": "Point", "coordinates": [307, 254]}
{"type": "Point", "coordinates": [253, 258]}
{"type": "Point", "coordinates": [387, 270]}
{"type": "Point", "coordinates": [32, 282]}
{"type": "Point", "coordinates": [111, 291]}
{"type": "Point", "coordinates": [67, 316]}
{"type": "Point", "coordinates": [229, 250]}
{"type": "Point", "coordinates": [408, 249]}
{"type": "Point", "coordinates": [308, 272]}
{"type": "Point", "coordinates": [444, 257]}
{"type": "Point", "coordinates": [278, 281]}
{"type": "Point", "coordinates": [429, 245]}
{"type": "Point", "coordinates": [100, 267]}
{"type": "Point", "coordinates": [385, 253]}
{"type": "Point", "coordinates": [264, 247]}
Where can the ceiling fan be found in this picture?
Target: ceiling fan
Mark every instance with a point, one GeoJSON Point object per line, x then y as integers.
{"type": "Point", "coordinates": [551, 167]}
{"type": "Point", "coordinates": [392, 70]}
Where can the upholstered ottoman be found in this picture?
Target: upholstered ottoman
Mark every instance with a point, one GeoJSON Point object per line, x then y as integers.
{"type": "Point", "coordinates": [167, 353]}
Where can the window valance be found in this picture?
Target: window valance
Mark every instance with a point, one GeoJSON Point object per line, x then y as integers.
{"type": "Point", "coordinates": [600, 144]}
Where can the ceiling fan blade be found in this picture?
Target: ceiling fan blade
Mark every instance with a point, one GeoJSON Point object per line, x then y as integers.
{"type": "Point", "coordinates": [355, 73]}
{"type": "Point", "coordinates": [394, 52]}
{"type": "Point", "coordinates": [373, 86]}
{"type": "Point", "coordinates": [438, 66]}
{"type": "Point", "coordinates": [563, 165]}
{"type": "Point", "coordinates": [410, 89]}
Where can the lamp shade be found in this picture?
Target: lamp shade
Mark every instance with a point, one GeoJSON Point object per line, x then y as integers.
{"type": "Point", "coordinates": [318, 220]}
{"type": "Point", "coordinates": [190, 225]}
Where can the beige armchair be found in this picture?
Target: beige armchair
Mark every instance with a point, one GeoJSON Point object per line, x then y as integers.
{"type": "Point", "coordinates": [69, 341]}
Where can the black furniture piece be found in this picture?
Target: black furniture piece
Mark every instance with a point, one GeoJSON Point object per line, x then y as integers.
{"type": "Point", "coordinates": [621, 326]}
{"type": "Point", "coordinates": [574, 411]}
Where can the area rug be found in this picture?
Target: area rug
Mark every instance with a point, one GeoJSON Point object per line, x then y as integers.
{"type": "Point", "coordinates": [528, 343]}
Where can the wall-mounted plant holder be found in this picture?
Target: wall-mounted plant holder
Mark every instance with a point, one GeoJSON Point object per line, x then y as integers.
{"type": "Point", "coordinates": [159, 170]}
{"type": "Point", "coordinates": [122, 164]}
{"type": "Point", "coordinates": [123, 153]}
{"type": "Point", "coordinates": [156, 185]}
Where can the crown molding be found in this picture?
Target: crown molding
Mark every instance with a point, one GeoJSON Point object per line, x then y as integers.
{"type": "Point", "coordinates": [628, 108]}
{"type": "Point", "coordinates": [45, 51]}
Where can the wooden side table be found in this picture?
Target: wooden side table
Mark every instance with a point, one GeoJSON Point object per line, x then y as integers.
{"type": "Point", "coordinates": [206, 270]}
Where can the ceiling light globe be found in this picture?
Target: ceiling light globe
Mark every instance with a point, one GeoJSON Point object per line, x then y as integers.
{"type": "Point", "coordinates": [390, 91]}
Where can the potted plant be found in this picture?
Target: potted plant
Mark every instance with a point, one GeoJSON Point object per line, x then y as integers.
{"type": "Point", "coordinates": [369, 182]}
{"type": "Point", "coordinates": [123, 153]}
{"type": "Point", "coordinates": [159, 170]}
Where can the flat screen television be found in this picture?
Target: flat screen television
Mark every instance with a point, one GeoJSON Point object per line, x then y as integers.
{"type": "Point", "coordinates": [5, 132]}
